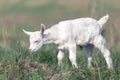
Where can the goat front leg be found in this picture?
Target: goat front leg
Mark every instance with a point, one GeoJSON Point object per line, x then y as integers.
{"type": "Point", "coordinates": [60, 56]}
{"type": "Point", "coordinates": [72, 55]}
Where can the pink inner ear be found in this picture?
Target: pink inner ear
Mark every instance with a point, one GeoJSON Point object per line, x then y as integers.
{"type": "Point", "coordinates": [42, 28]}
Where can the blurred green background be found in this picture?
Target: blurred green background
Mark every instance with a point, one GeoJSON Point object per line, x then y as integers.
{"type": "Point", "coordinates": [28, 14]}
{"type": "Point", "coordinates": [16, 15]}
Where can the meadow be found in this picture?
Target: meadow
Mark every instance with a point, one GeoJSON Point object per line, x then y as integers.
{"type": "Point", "coordinates": [17, 63]}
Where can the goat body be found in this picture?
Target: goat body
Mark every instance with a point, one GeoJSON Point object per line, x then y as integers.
{"type": "Point", "coordinates": [70, 33]}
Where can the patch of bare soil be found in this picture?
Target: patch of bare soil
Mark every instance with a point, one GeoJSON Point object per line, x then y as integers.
{"type": "Point", "coordinates": [26, 65]}
{"type": "Point", "coordinates": [57, 76]}
{"type": "Point", "coordinates": [29, 65]}
{"type": "Point", "coordinates": [65, 75]}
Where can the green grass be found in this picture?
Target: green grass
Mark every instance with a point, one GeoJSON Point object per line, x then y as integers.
{"type": "Point", "coordinates": [12, 69]}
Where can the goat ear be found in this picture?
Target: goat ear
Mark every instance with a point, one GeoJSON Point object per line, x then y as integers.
{"type": "Point", "coordinates": [26, 32]}
{"type": "Point", "coordinates": [42, 29]}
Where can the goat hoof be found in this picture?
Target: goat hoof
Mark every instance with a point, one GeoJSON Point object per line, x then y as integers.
{"type": "Point", "coordinates": [109, 70]}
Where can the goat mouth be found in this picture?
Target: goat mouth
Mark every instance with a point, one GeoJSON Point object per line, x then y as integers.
{"type": "Point", "coordinates": [32, 51]}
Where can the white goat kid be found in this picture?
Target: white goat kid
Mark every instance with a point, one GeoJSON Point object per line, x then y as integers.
{"type": "Point", "coordinates": [70, 33]}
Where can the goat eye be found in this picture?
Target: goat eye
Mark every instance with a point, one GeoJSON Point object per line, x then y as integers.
{"type": "Point", "coordinates": [36, 42]}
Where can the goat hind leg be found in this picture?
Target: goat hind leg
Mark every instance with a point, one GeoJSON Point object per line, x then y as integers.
{"type": "Point", "coordinates": [101, 45]}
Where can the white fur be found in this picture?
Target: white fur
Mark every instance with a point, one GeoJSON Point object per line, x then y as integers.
{"type": "Point", "coordinates": [70, 33]}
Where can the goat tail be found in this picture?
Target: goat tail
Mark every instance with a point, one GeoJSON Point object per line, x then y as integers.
{"type": "Point", "coordinates": [103, 20]}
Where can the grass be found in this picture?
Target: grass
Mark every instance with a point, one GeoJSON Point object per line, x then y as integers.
{"type": "Point", "coordinates": [13, 69]}
{"type": "Point", "coordinates": [16, 63]}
